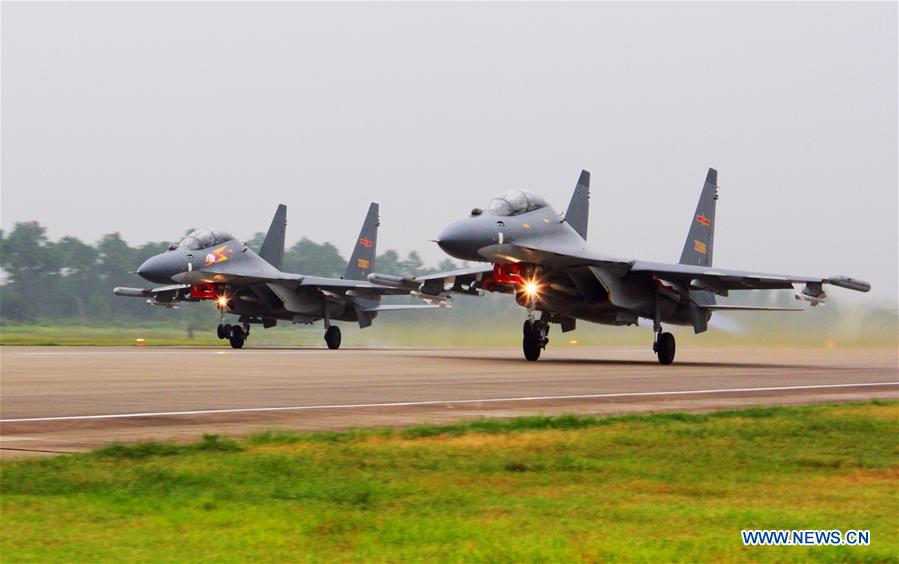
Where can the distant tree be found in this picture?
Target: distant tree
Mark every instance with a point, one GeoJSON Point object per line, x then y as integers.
{"type": "Point", "coordinates": [79, 263]}
{"type": "Point", "coordinates": [389, 263]}
{"type": "Point", "coordinates": [309, 257]}
{"type": "Point", "coordinates": [255, 242]}
{"type": "Point", "coordinates": [413, 265]}
{"type": "Point", "coordinates": [31, 265]}
{"type": "Point", "coordinates": [447, 265]}
{"type": "Point", "coordinates": [27, 253]}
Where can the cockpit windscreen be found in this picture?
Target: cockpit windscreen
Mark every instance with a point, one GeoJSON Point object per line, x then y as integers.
{"type": "Point", "coordinates": [515, 202]}
{"type": "Point", "coordinates": [204, 238]}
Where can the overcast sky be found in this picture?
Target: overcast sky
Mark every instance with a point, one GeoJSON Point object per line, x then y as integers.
{"type": "Point", "coordinates": [148, 119]}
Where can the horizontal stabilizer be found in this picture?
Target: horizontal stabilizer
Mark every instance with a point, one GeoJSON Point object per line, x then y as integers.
{"type": "Point", "coordinates": [717, 307]}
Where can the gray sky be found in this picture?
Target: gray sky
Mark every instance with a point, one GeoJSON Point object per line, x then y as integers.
{"type": "Point", "coordinates": [148, 119]}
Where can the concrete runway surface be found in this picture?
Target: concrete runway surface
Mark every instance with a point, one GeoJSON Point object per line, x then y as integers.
{"type": "Point", "coordinates": [67, 399]}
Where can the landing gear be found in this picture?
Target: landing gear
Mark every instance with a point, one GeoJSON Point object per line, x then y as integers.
{"type": "Point", "coordinates": [535, 338]}
{"type": "Point", "coordinates": [664, 347]}
{"type": "Point", "coordinates": [332, 337]}
{"type": "Point", "coordinates": [235, 334]}
{"type": "Point", "coordinates": [237, 337]}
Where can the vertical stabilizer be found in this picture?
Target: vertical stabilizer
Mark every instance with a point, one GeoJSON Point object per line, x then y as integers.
{"type": "Point", "coordinates": [578, 212]}
{"type": "Point", "coordinates": [362, 263]}
{"type": "Point", "coordinates": [700, 241]}
{"type": "Point", "coordinates": [272, 249]}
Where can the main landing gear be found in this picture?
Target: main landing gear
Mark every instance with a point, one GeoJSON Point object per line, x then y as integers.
{"type": "Point", "coordinates": [535, 338]}
{"type": "Point", "coordinates": [664, 347]}
{"type": "Point", "coordinates": [332, 337]}
{"type": "Point", "coordinates": [235, 334]}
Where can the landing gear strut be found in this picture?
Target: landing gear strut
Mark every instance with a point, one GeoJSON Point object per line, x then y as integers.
{"type": "Point", "coordinates": [332, 337]}
{"type": "Point", "coordinates": [535, 338]}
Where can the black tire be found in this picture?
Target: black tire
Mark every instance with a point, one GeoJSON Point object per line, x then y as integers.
{"type": "Point", "coordinates": [665, 348]}
{"type": "Point", "coordinates": [220, 331]}
{"type": "Point", "coordinates": [236, 338]}
{"type": "Point", "coordinates": [332, 337]}
{"type": "Point", "coordinates": [531, 347]}
{"type": "Point", "coordinates": [530, 343]}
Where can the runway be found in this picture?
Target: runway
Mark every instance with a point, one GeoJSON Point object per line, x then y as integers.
{"type": "Point", "coordinates": [68, 399]}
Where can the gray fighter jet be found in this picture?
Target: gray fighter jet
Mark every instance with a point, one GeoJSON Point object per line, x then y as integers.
{"type": "Point", "coordinates": [543, 259]}
{"type": "Point", "coordinates": [212, 265]}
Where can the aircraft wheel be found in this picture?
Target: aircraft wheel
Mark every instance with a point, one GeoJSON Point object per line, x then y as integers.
{"type": "Point", "coordinates": [236, 337]}
{"type": "Point", "coordinates": [665, 348]}
{"type": "Point", "coordinates": [222, 331]}
{"type": "Point", "coordinates": [532, 344]}
{"type": "Point", "coordinates": [332, 337]}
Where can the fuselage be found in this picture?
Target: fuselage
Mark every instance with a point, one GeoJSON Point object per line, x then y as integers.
{"type": "Point", "coordinates": [502, 236]}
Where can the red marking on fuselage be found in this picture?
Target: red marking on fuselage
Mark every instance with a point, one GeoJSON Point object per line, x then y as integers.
{"type": "Point", "coordinates": [702, 219]}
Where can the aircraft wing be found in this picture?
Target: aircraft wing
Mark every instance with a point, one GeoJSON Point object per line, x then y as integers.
{"type": "Point", "coordinates": [721, 279]}
{"type": "Point", "coordinates": [696, 277]}
{"type": "Point", "coordinates": [341, 284]}
{"type": "Point", "coordinates": [436, 286]}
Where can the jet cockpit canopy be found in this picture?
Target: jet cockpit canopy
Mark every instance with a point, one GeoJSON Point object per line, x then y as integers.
{"type": "Point", "coordinates": [204, 238]}
{"type": "Point", "coordinates": [515, 202]}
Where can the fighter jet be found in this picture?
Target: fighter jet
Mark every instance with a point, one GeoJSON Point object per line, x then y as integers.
{"type": "Point", "coordinates": [212, 265]}
{"type": "Point", "coordinates": [542, 257]}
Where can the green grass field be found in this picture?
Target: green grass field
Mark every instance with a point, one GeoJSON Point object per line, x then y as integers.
{"type": "Point", "coordinates": [668, 487]}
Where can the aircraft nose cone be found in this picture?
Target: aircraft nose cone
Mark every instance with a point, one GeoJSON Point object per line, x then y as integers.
{"type": "Point", "coordinates": [159, 269]}
{"type": "Point", "coordinates": [461, 240]}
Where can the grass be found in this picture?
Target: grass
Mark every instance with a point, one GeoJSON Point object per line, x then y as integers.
{"type": "Point", "coordinates": [665, 487]}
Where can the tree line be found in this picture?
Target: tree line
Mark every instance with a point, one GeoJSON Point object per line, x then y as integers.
{"type": "Point", "coordinates": [68, 278]}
